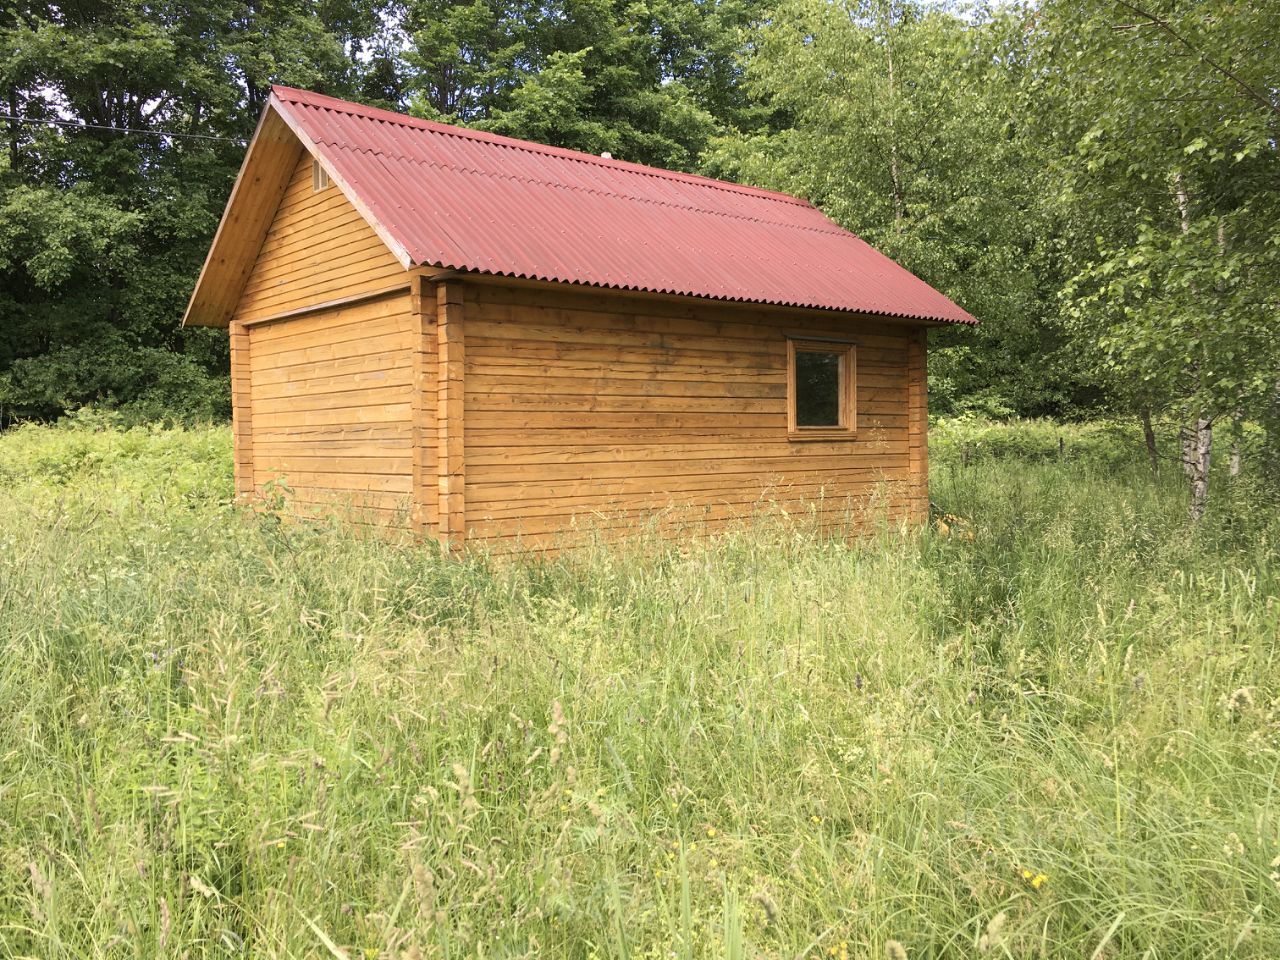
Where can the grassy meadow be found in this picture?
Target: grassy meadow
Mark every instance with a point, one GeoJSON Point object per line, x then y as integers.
{"type": "Point", "coordinates": [1049, 728]}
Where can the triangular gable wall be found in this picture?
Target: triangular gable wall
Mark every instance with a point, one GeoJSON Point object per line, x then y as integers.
{"type": "Point", "coordinates": [318, 249]}
{"type": "Point", "coordinates": [282, 245]}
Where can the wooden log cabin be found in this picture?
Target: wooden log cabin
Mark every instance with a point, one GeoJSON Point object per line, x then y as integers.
{"type": "Point", "coordinates": [495, 339]}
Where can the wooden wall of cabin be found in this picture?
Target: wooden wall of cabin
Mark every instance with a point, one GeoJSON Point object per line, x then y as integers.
{"type": "Point", "coordinates": [330, 399]}
{"type": "Point", "coordinates": [565, 406]}
{"type": "Point", "coordinates": [318, 248]}
{"type": "Point", "coordinates": [592, 409]}
{"type": "Point", "coordinates": [325, 388]}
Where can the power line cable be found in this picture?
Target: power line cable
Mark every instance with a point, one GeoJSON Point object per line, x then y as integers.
{"type": "Point", "coordinates": [97, 126]}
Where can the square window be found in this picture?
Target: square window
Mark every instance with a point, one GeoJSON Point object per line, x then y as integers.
{"type": "Point", "coordinates": [821, 389]}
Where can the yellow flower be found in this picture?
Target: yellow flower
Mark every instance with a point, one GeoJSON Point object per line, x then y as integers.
{"type": "Point", "coordinates": [815, 819]}
{"type": "Point", "coordinates": [1026, 874]}
{"type": "Point", "coordinates": [711, 831]}
{"type": "Point", "coordinates": [1038, 881]}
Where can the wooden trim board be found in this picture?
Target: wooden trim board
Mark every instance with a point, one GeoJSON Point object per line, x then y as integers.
{"type": "Point", "coordinates": [450, 412]}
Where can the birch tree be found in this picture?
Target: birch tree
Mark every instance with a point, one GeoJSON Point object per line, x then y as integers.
{"type": "Point", "coordinates": [906, 123]}
{"type": "Point", "coordinates": [1169, 117]}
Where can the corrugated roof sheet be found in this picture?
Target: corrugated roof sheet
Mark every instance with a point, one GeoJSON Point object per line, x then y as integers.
{"type": "Point", "coordinates": [467, 200]}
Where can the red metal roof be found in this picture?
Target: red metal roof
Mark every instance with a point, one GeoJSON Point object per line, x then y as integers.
{"type": "Point", "coordinates": [467, 200]}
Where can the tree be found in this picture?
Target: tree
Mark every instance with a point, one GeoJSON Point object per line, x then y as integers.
{"type": "Point", "coordinates": [1169, 119]}
{"type": "Point", "coordinates": [907, 123]}
{"type": "Point", "coordinates": [647, 82]}
{"type": "Point", "coordinates": [102, 232]}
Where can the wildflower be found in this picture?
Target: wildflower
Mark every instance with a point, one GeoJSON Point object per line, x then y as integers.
{"type": "Point", "coordinates": [1237, 702]}
{"type": "Point", "coordinates": [711, 831]}
{"type": "Point", "coordinates": [1034, 880]}
{"type": "Point", "coordinates": [556, 729]}
{"type": "Point", "coordinates": [1234, 846]}
{"type": "Point", "coordinates": [768, 906]}
{"type": "Point", "coordinates": [994, 936]}
{"type": "Point", "coordinates": [815, 819]}
{"type": "Point", "coordinates": [42, 886]}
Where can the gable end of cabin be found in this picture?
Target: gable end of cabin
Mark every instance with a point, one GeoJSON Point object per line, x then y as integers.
{"type": "Point", "coordinates": [327, 354]}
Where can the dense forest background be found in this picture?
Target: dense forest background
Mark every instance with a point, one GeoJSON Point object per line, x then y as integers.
{"type": "Point", "coordinates": [1099, 182]}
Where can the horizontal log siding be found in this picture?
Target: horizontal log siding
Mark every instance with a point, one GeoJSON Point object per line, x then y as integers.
{"type": "Point", "coordinates": [319, 248]}
{"type": "Point", "coordinates": [332, 400]}
{"type": "Point", "coordinates": [585, 409]}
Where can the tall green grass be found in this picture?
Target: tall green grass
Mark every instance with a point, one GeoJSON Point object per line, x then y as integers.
{"type": "Point", "coordinates": [1052, 732]}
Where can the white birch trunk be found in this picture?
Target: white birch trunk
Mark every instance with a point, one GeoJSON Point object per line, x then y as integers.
{"type": "Point", "coordinates": [1187, 437]}
{"type": "Point", "coordinates": [1202, 448]}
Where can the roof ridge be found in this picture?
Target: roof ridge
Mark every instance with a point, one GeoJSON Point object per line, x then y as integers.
{"type": "Point", "coordinates": [307, 97]}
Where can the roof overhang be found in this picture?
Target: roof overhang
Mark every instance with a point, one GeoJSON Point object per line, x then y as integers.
{"type": "Point", "coordinates": [277, 145]}
{"type": "Point", "coordinates": [268, 163]}
{"type": "Point", "coordinates": [294, 124]}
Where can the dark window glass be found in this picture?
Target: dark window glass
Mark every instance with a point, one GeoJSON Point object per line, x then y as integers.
{"type": "Point", "coordinates": [817, 389]}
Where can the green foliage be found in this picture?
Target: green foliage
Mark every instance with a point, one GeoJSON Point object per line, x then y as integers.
{"type": "Point", "coordinates": [649, 83]}
{"type": "Point", "coordinates": [908, 124]}
{"type": "Point", "coordinates": [228, 734]}
{"type": "Point", "coordinates": [1095, 181]}
{"type": "Point", "coordinates": [1169, 122]}
{"type": "Point", "coordinates": [1094, 444]}
{"type": "Point", "coordinates": [102, 233]}
{"type": "Point", "coordinates": [95, 449]}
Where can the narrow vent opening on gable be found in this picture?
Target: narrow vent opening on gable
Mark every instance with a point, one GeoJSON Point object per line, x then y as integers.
{"type": "Point", "coordinates": [319, 177]}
